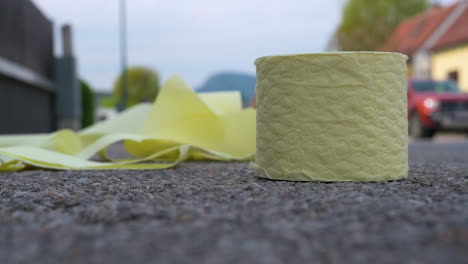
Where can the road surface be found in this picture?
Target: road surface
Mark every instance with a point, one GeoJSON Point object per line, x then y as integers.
{"type": "Point", "coordinates": [206, 212]}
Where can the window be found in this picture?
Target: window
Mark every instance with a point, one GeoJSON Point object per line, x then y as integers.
{"type": "Point", "coordinates": [453, 76]}
{"type": "Point", "coordinates": [436, 87]}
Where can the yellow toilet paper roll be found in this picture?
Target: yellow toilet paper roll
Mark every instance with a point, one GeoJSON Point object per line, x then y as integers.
{"type": "Point", "coordinates": [332, 117]}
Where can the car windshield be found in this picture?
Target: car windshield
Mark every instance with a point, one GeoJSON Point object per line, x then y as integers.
{"type": "Point", "coordinates": [436, 87]}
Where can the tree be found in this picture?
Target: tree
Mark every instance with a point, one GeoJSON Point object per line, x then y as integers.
{"type": "Point", "coordinates": [367, 24]}
{"type": "Point", "coordinates": [143, 86]}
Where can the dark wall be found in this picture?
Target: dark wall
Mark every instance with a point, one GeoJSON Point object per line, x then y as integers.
{"type": "Point", "coordinates": [26, 38]}
{"type": "Point", "coordinates": [24, 109]}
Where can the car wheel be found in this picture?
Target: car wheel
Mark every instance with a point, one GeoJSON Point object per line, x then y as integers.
{"type": "Point", "coordinates": [417, 129]}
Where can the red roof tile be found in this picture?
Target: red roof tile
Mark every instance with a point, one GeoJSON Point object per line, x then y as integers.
{"type": "Point", "coordinates": [457, 33]}
{"type": "Point", "coordinates": [411, 34]}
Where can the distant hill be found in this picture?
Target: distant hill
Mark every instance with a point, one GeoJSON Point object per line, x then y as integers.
{"type": "Point", "coordinates": [230, 81]}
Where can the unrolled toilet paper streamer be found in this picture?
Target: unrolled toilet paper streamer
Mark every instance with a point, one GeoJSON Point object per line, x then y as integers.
{"type": "Point", "coordinates": [179, 125]}
{"type": "Point", "coordinates": [332, 117]}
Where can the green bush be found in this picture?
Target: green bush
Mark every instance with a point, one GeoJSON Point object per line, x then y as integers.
{"type": "Point", "coordinates": [109, 102]}
{"type": "Point", "coordinates": [88, 105]}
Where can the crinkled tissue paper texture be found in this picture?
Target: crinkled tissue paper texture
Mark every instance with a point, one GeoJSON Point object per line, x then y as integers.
{"type": "Point", "coordinates": [179, 125]}
{"type": "Point", "coordinates": [332, 117]}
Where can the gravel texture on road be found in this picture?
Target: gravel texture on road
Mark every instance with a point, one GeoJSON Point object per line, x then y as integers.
{"type": "Point", "coordinates": [207, 212]}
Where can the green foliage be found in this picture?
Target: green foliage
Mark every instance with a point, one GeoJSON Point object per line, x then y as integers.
{"type": "Point", "coordinates": [143, 86]}
{"type": "Point", "coordinates": [367, 24]}
{"type": "Point", "coordinates": [109, 102]}
{"type": "Point", "coordinates": [88, 104]}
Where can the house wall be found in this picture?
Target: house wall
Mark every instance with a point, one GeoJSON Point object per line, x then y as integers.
{"type": "Point", "coordinates": [446, 61]}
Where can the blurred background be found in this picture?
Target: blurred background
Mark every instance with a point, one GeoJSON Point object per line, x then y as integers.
{"type": "Point", "coordinates": [68, 64]}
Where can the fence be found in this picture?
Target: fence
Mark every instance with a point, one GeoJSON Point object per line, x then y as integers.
{"type": "Point", "coordinates": [27, 95]}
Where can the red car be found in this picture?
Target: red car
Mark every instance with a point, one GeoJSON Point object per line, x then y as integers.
{"type": "Point", "coordinates": [436, 106]}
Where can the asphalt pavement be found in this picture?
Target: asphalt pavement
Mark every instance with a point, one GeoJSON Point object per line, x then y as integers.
{"type": "Point", "coordinates": [209, 212]}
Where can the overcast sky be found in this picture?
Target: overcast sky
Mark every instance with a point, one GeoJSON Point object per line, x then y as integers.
{"type": "Point", "coordinates": [194, 38]}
